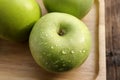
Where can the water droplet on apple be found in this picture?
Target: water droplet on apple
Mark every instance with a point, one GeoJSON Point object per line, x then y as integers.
{"type": "Point", "coordinates": [83, 51]}
{"type": "Point", "coordinates": [72, 52]}
{"type": "Point", "coordinates": [80, 51]}
{"type": "Point", "coordinates": [52, 47]}
{"type": "Point", "coordinates": [63, 52]}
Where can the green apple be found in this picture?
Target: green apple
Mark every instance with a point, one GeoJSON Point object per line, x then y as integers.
{"type": "Point", "coordinates": [17, 18]}
{"type": "Point", "coordinates": [59, 42]}
{"type": "Point", "coordinates": [78, 8]}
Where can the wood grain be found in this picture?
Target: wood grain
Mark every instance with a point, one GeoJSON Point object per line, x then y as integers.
{"type": "Point", "coordinates": [113, 39]}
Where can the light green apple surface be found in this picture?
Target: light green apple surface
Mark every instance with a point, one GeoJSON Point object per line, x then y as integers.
{"type": "Point", "coordinates": [59, 42]}
{"type": "Point", "coordinates": [78, 8]}
{"type": "Point", "coordinates": [17, 18]}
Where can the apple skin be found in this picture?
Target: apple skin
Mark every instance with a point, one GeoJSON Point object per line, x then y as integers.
{"type": "Point", "coordinates": [17, 18]}
{"type": "Point", "coordinates": [78, 8]}
{"type": "Point", "coordinates": [59, 42]}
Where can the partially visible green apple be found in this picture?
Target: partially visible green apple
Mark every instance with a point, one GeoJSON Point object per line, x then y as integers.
{"type": "Point", "coordinates": [78, 8]}
{"type": "Point", "coordinates": [59, 42]}
{"type": "Point", "coordinates": [17, 18]}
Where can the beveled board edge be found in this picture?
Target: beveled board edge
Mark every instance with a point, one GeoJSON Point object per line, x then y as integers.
{"type": "Point", "coordinates": [102, 55]}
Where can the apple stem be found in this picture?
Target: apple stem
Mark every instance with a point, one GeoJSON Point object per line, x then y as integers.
{"type": "Point", "coordinates": [61, 32]}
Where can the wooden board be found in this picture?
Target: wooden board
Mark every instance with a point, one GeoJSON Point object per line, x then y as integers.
{"type": "Point", "coordinates": [112, 20]}
{"type": "Point", "coordinates": [16, 62]}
